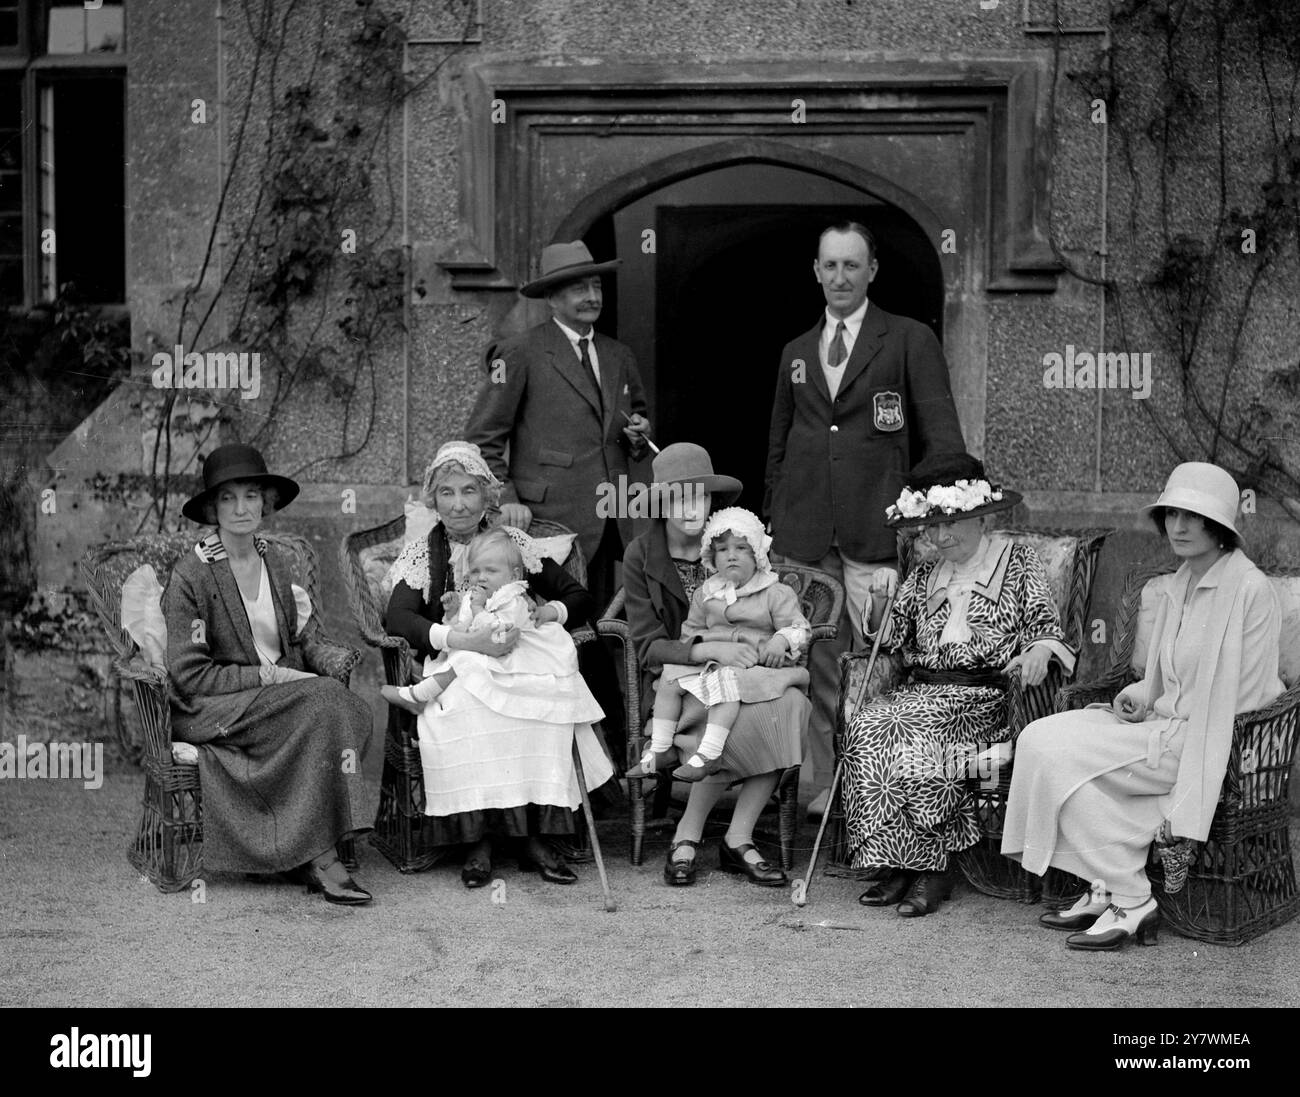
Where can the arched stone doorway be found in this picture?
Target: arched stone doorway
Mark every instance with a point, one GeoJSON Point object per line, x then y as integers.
{"type": "Point", "coordinates": [729, 282]}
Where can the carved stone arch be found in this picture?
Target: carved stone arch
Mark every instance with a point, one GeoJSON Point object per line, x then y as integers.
{"type": "Point", "coordinates": [650, 177]}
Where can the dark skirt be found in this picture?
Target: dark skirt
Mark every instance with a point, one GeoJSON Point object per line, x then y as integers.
{"type": "Point", "coordinates": [284, 784]}
{"type": "Point", "coordinates": [471, 827]}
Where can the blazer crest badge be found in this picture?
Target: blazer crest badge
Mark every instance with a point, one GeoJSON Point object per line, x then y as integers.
{"type": "Point", "coordinates": [888, 409]}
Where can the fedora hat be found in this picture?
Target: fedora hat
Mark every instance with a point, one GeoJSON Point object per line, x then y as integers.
{"type": "Point", "coordinates": [236, 462]}
{"type": "Point", "coordinates": [687, 463]}
{"type": "Point", "coordinates": [1203, 489]}
{"type": "Point", "coordinates": [948, 487]}
{"type": "Point", "coordinates": [565, 263]}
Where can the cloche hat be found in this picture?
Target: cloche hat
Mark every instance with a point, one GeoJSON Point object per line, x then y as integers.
{"type": "Point", "coordinates": [1203, 489]}
{"type": "Point", "coordinates": [236, 462]}
{"type": "Point", "coordinates": [948, 487]}
{"type": "Point", "coordinates": [565, 263]}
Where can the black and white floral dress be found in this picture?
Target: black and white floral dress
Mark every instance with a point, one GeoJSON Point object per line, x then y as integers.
{"type": "Point", "coordinates": [905, 753]}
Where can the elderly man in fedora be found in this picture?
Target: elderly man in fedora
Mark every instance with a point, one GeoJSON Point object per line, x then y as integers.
{"type": "Point", "coordinates": [560, 413]}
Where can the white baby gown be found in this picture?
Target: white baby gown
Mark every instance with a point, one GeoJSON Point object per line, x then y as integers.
{"type": "Point", "coordinates": [501, 734]}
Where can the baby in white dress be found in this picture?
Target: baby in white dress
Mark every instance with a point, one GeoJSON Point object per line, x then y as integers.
{"type": "Point", "coordinates": [497, 598]}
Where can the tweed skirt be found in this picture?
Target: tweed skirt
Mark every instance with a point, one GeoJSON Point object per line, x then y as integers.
{"type": "Point", "coordinates": [284, 784]}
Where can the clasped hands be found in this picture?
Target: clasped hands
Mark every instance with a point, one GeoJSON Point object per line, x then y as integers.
{"type": "Point", "coordinates": [751, 647]}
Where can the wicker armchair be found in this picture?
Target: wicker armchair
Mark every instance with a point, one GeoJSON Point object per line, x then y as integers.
{"type": "Point", "coordinates": [1243, 881]}
{"type": "Point", "coordinates": [168, 847]}
{"type": "Point", "coordinates": [1070, 556]}
{"type": "Point", "coordinates": [821, 597]}
{"type": "Point", "coordinates": [365, 557]}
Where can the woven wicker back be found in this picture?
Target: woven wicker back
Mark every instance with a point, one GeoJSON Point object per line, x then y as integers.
{"type": "Point", "coordinates": [1069, 556]}
{"type": "Point", "coordinates": [106, 567]}
{"type": "Point", "coordinates": [821, 598]}
{"type": "Point", "coordinates": [366, 555]}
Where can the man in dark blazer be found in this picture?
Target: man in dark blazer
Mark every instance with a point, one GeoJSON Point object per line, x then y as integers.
{"type": "Point", "coordinates": [560, 413]}
{"type": "Point", "coordinates": [860, 399]}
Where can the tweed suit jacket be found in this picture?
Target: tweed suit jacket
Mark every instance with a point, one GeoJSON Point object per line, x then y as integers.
{"type": "Point", "coordinates": [211, 658]}
{"type": "Point", "coordinates": [549, 435]}
{"type": "Point", "coordinates": [834, 466]}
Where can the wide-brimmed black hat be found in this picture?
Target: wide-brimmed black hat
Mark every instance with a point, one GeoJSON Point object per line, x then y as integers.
{"type": "Point", "coordinates": [950, 470]}
{"type": "Point", "coordinates": [225, 465]}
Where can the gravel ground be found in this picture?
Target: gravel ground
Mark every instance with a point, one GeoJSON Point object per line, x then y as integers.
{"type": "Point", "coordinates": [78, 927]}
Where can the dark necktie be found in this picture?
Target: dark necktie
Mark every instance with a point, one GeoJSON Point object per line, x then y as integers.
{"type": "Point", "coordinates": [838, 352]}
{"type": "Point", "coordinates": [583, 343]}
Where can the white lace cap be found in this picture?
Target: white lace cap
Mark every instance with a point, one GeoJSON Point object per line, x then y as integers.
{"type": "Point", "coordinates": [465, 454]}
{"type": "Point", "coordinates": [743, 523]}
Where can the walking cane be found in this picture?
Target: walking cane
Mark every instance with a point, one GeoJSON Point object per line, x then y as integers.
{"type": "Point", "coordinates": [800, 895]}
{"type": "Point", "coordinates": [610, 905]}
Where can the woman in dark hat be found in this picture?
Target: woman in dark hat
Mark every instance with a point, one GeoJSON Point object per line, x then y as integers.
{"type": "Point", "coordinates": [661, 571]}
{"type": "Point", "coordinates": [979, 610]}
{"type": "Point", "coordinates": [275, 740]}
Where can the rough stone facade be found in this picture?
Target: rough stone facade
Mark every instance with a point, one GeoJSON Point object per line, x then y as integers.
{"type": "Point", "coordinates": [957, 114]}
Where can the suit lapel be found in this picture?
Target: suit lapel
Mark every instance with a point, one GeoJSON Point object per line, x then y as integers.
{"type": "Point", "coordinates": [611, 377]}
{"type": "Point", "coordinates": [230, 595]}
{"type": "Point", "coordinates": [567, 364]}
{"type": "Point", "coordinates": [286, 609]}
{"type": "Point", "coordinates": [871, 336]}
{"type": "Point", "coordinates": [659, 566]}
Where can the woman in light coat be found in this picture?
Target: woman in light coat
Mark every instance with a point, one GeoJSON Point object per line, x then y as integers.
{"type": "Point", "coordinates": [1092, 788]}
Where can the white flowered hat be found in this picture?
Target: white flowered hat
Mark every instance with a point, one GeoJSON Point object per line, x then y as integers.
{"type": "Point", "coordinates": [743, 523]}
{"type": "Point", "coordinates": [948, 487]}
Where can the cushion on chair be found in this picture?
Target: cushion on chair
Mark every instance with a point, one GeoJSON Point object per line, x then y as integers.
{"type": "Point", "coordinates": [419, 520]}
{"type": "Point", "coordinates": [142, 615]}
{"type": "Point", "coordinates": [1287, 589]}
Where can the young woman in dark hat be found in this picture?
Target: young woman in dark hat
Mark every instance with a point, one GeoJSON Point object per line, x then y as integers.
{"type": "Point", "coordinates": [661, 571]}
{"type": "Point", "coordinates": [977, 612]}
{"type": "Point", "coordinates": [273, 737]}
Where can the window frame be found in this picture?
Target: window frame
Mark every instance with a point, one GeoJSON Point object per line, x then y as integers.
{"type": "Point", "coordinates": [38, 70]}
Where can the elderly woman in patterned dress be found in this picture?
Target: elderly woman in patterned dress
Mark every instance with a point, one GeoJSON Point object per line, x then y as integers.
{"type": "Point", "coordinates": [487, 773]}
{"type": "Point", "coordinates": [964, 621]}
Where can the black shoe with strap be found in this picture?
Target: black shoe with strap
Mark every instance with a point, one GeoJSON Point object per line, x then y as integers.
{"type": "Point", "coordinates": [760, 872]}
{"type": "Point", "coordinates": [681, 872]}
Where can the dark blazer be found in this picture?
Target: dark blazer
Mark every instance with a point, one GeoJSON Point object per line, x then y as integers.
{"type": "Point", "coordinates": [832, 470]}
{"type": "Point", "coordinates": [211, 659]}
{"type": "Point", "coordinates": [656, 605]}
{"type": "Point", "coordinates": [409, 615]}
{"type": "Point", "coordinates": [545, 407]}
